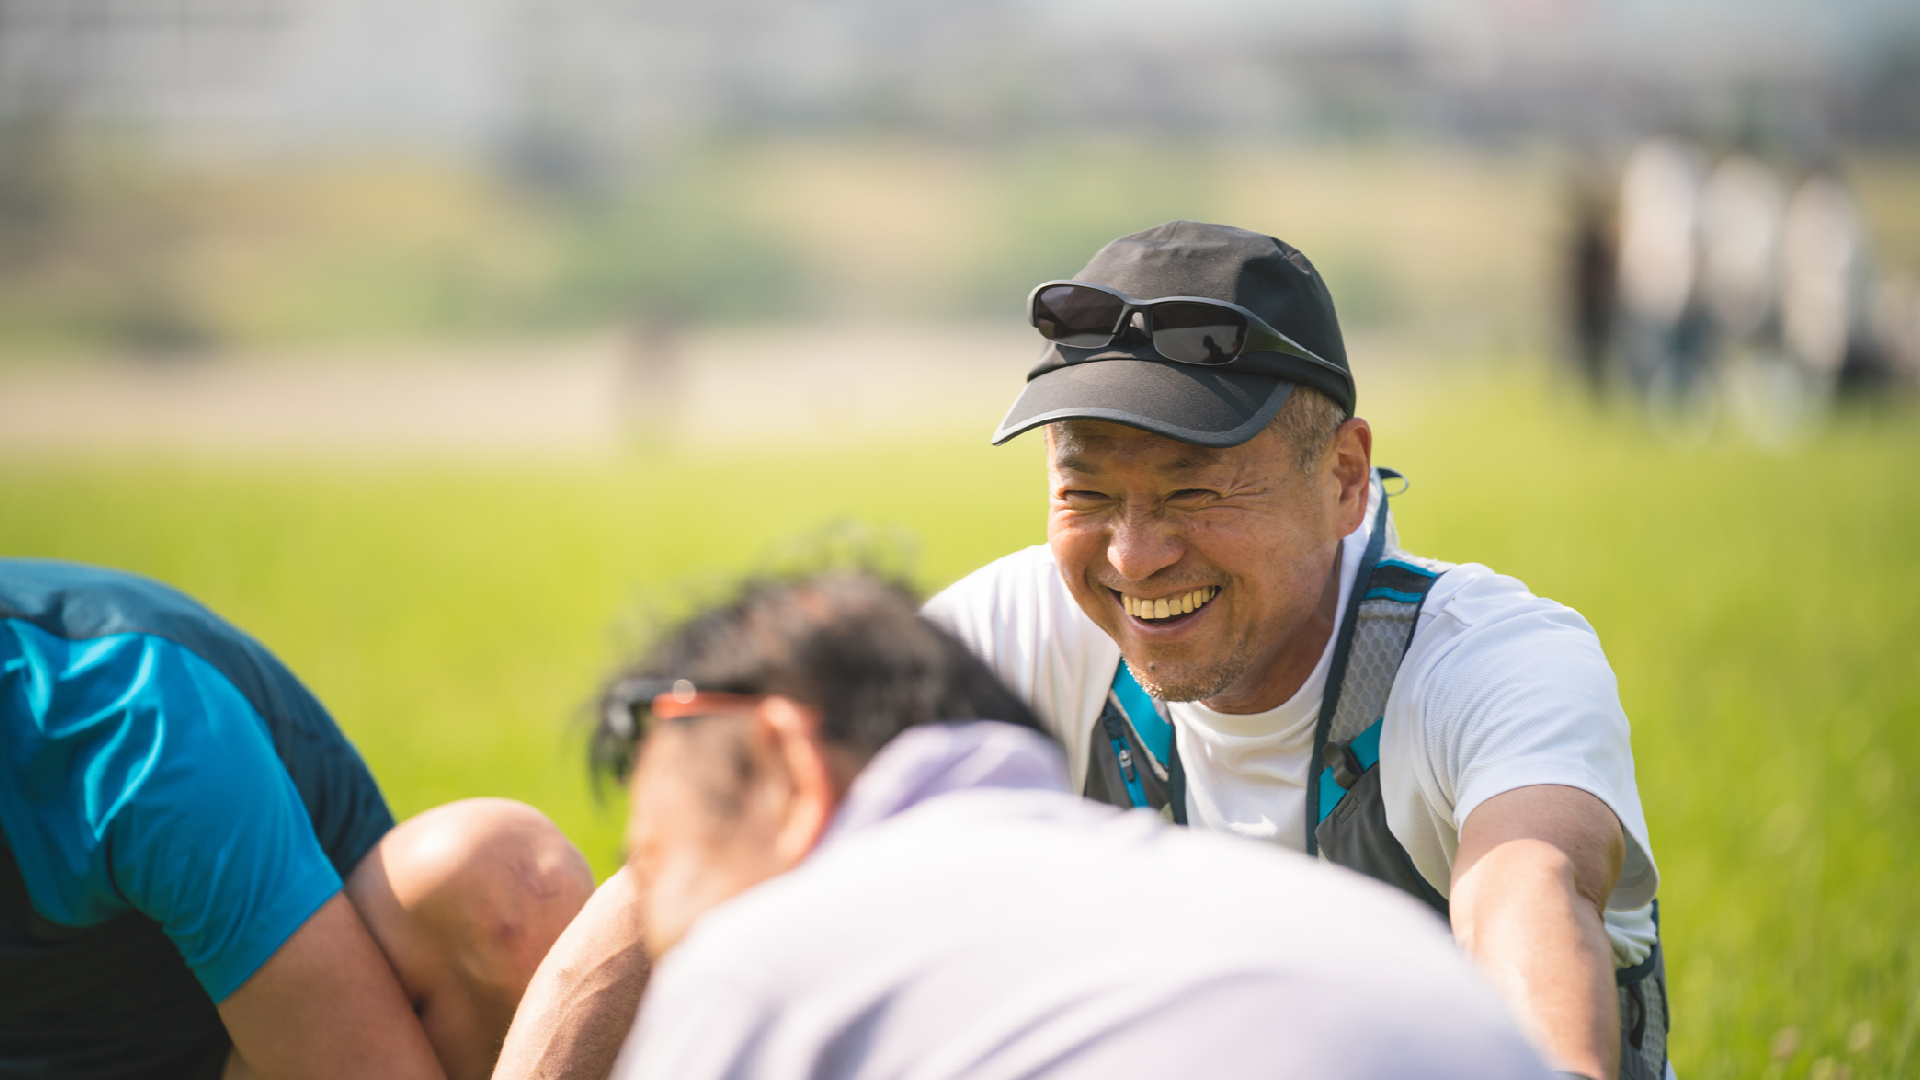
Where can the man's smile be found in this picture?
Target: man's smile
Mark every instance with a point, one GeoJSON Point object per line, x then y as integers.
{"type": "Point", "coordinates": [1165, 609]}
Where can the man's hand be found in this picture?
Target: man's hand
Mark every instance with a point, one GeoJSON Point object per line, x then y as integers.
{"type": "Point", "coordinates": [584, 996]}
{"type": "Point", "coordinates": [1530, 882]}
{"type": "Point", "coordinates": [327, 1005]}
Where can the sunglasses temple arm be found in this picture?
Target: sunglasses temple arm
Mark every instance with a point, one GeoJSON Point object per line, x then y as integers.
{"type": "Point", "coordinates": [1287, 345]}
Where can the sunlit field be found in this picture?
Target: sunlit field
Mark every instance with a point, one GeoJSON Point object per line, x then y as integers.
{"type": "Point", "coordinates": [1761, 609]}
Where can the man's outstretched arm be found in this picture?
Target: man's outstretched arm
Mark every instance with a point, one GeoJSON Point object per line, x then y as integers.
{"type": "Point", "coordinates": [326, 1005]}
{"type": "Point", "coordinates": [1530, 884]}
{"type": "Point", "coordinates": [584, 996]}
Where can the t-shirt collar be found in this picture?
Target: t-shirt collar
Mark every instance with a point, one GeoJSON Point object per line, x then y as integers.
{"type": "Point", "coordinates": [931, 760]}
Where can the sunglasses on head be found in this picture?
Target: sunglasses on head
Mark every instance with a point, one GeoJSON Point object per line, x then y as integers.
{"type": "Point", "coordinates": [635, 706]}
{"type": "Point", "coordinates": [1185, 329]}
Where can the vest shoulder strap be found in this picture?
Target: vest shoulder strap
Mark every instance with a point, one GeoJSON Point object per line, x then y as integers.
{"type": "Point", "coordinates": [1143, 713]}
{"type": "Point", "coordinates": [1132, 760]}
{"type": "Point", "coordinates": [1382, 628]}
{"type": "Point", "coordinates": [1382, 609]}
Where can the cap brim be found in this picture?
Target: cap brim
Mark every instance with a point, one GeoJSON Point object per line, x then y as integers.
{"type": "Point", "coordinates": [1200, 405]}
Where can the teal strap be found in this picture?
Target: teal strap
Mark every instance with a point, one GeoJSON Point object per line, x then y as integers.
{"type": "Point", "coordinates": [1398, 580]}
{"type": "Point", "coordinates": [1365, 747]}
{"type": "Point", "coordinates": [1154, 731]}
{"type": "Point", "coordinates": [1342, 646]}
{"type": "Point", "coordinates": [1410, 568]}
{"type": "Point", "coordinates": [1129, 768]}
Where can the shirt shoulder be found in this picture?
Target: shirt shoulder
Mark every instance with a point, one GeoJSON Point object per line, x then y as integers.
{"type": "Point", "coordinates": [1481, 634]}
{"type": "Point", "coordinates": [77, 602]}
{"type": "Point", "coordinates": [1024, 585]}
{"type": "Point", "coordinates": [1500, 689]}
{"type": "Point", "coordinates": [1017, 615]}
{"type": "Point", "coordinates": [1470, 593]}
{"type": "Point", "coordinates": [136, 777]}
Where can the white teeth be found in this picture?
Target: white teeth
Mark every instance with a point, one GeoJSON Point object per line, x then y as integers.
{"type": "Point", "coordinates": [1163, 609]}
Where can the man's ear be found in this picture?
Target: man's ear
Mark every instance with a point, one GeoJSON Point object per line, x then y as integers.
{"type": "Point", "coordinates": [810, 766]}
{"type": "Point", "coordinates": [1352, 462]}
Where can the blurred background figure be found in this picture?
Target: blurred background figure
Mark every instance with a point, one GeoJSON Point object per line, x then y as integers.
{"type": "Point", "coordinates": [1741, 211]}
{"type": "Point", "coordinates": [1743, 206]}
{"type": "Point", "coordinates": [1824, 298]}
{"type": "Point", "coordinates": [1727, 292]}
{"type": "Point", "coordinates": [1592, 274]}
{"type": "Point", "coordinates": [1664, 328]}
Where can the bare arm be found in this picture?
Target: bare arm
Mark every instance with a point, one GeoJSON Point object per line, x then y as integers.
{"type": "Point", "coordinates": [1530, 883]}
{"type": "Point", "coordinates": [583, 999]}
{"type": "Point", "coordinates": [325, 1005]}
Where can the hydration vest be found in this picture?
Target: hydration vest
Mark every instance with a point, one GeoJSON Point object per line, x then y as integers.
{"type": "Point", "coordinates": [1134, 761]}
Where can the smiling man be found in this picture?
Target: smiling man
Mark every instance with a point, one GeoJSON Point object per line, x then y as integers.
{"type": "Point", "coordinates": [1223, 628]}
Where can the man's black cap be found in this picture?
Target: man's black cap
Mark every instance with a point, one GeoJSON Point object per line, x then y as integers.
{"type": "Point", "coordinates": [1127, 382]}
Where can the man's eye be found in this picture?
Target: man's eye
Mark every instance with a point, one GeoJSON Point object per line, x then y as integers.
{"type": "Point", "coordinates": [1190, 497]}
{"type": "Point", "coordinates": [1081, 500]}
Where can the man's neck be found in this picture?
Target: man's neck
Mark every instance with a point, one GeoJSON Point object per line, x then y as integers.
{"type": "Point", "coordinates": [1289, 670]}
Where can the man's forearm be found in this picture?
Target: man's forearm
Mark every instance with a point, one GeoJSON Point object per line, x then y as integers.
{"type": "Point", "coordinates": [1545, 946]}
{"type": "Point", "coordinates": [326, 1006]}
{"type": "Point", "coordinates": [582, 1001]}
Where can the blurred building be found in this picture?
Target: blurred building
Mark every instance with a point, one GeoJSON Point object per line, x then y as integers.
{"type": "Point", "coordinates": [560, 84]}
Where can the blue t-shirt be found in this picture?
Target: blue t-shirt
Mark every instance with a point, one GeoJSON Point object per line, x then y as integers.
{"type": "Point", "coordinates": [160, 772]}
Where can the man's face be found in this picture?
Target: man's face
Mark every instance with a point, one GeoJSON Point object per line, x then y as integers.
{"type": "Point", "coordinates": [1237, 543]}
{"type": "Point", "coordinates": [698, 834]}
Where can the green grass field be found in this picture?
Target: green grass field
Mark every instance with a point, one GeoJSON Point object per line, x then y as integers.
{"type": "Point", "coordinates": [1761, 610]}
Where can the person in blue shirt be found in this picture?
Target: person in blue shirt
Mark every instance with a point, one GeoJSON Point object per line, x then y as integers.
{"type": "Point", "coordinates": [200, 878]}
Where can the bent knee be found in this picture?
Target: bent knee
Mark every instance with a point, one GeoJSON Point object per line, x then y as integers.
{"type": "Point", "coordinates": [483, 885]}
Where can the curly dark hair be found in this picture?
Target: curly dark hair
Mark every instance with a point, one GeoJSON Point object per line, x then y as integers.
{"type": "Point", "coordinates": [848, 643]}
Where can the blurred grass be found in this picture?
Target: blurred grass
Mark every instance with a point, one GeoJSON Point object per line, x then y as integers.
{"type": "Point", "coordinates": [1760, 609]}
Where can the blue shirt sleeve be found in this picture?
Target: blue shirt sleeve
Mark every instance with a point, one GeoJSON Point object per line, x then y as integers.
{"type": "Point", "coordinates": [138, 778]}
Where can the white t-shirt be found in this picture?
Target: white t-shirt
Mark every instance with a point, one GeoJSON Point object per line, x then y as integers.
{"type": "Point", "coordinates": [1499, 689]}
{"type": "Point", "coordinates": [967, 917]}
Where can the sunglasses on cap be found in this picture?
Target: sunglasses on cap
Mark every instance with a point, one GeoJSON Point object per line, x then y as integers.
{"type": "Point", "coordinates": [1184, 329]}
{"type": "Point", "coordinates": [633, 706]}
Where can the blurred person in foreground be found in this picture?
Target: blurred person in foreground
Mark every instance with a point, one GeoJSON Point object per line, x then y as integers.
{"type": "Point", "coordinates": [200, 878]}
{"type": "Point", "coordinates": [1222, 627]}
{"type": "Point", "coordinates": [854, 853]}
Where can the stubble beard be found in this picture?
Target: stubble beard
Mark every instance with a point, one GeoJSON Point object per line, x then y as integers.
{"type": "Point", "coordinates": [1194, 682]}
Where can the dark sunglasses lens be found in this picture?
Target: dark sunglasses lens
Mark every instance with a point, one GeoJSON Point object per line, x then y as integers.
{"type": "Point", "coordinates": [640, 716]}
{"type": "Point", "coordinates": [1082, 318]}
{"type": "Point", "coordinates": [1197, 333]}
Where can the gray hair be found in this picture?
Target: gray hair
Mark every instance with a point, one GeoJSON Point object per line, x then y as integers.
{"type": "Point", "coordinates": [1307, 421]}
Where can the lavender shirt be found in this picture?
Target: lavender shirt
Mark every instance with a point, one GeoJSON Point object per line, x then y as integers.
{"type": "Point", "coordinates": [966, 917]}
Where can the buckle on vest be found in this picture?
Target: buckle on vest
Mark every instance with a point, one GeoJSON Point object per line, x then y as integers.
{"type": "Point", "coordinates": [1344, 762]}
